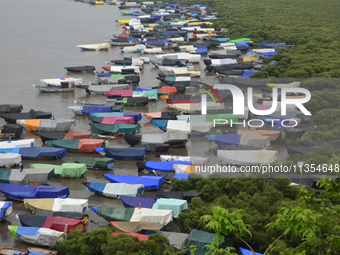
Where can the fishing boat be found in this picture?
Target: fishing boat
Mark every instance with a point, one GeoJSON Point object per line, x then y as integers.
{"type": "Point", "coordinates": [80, 145]}
{"type": "Point", "coordinates": [26, 176]}
{"type": "Point", "coordinates": [95, 163]}
{"type": "Point", "coordinates": [37, 236]}
{"type": "Point", "coordinates": [115, 189]}
{"type": "Point", "coordinates": [149, 182]}
{"type": "Point", "coordinates": [57, 205]}
{"type": "Point", "coordinates": [66, 170]}
{"type": "Point", "coordinates": [20, 192]}
{"type": "Point", "coordinates": [94, 47]}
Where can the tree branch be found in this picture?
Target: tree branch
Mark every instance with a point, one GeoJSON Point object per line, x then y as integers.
{"type": "Point", "coordinates": [244, 242]}
{"type": "Point", "coordinates": [270, 246]}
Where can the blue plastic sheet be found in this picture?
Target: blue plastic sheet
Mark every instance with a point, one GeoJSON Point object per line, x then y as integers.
{"type": "Point", "coordinates": [248, 252]}
{"type": "Point", "coordinates": [101, 108]}
{"type": "Point", "coordinates": [272, 44]}
{"type": "Point", "coordinates": [145, 202]}
{"type": "Point", "coordinates": [227, 140]}
{"type": "Point", "coordinates": [201, 49]}
{"type": "Point", "coordinates": [97, 187]}
{"type": "Point", "coordinates": [162, 124]}
{"type": "Point", "coordinates": [248, 73]}
{"type": "Point", "coordinates": [149, 182]}
{"type": "Point", "coordinates": [27, 231]}
{"type": "Point", "coordinates": [126, 153]}
{"type": "Point", "coordinates": [164, 166]}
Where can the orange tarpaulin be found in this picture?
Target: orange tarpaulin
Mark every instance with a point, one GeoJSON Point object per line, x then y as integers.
{"type": "Point", "coordinates": [153, 115]}
{"type": "Point", "coordinates": [168, 90]}
{"type": "Point", "coordinates": [77, 135]}
{"type": "Point", "coordinates": [32, 125]}
{"type": "Point", "coordinates": [90, 144]}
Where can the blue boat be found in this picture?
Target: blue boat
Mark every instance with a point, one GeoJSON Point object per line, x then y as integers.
{"type": "Point", "coordinates": [201, 50]}
{"type": "Point", "coordinates": [5, 209]}
{"type": "Point", "coordinates": [248, 73]}
{"type": "Point", "coordinates": [126, 153]}
{"type": "Point", "coordinates": [115, 189]}
{"type": "Point", "coordinates": [167, 166]}
{"type": "Point", "coordinates": [86, 110]}
{"type": "Point", "coordinates": [143, 202]}
{"type": "Point", "coordinates": [158, 42]}
{"type": "Point", "coordinates": [136, 116]}
{"type": "Point", "coordinates": [37, 152]}
{"type": "Point", "coordinates": [20, 192]}
{"type": "Point", "coordinates": [149, 182]}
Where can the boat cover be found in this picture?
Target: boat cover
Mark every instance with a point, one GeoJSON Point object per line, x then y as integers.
{"type": "Point", "coordinates": [115, 189]}
{"type": "Point", "coordinates": [97, 163]}
{"type": "Point", "coordinates": [12, 129]}
{"type": "Point", "coordinates": [135, 48]}
{"type": "Point", "coordinates": [10, 108]}
{"type": "Point", "coordinates": [75, 69]}
{"type": "Point", "coordinates": [57, 204]}
{"type": "Point", "coordinates": [25, 143]}
{"type": "Point", "coordinates": [175, 205]}
{"type": "Point", "coordinates": [126, 153]}
{"type": "Point", "coordinates": [149, 182]}
{"type": "Point", "coordinates": [166, 166]}
{"type": "Point", "coordinates": [200, 239]}
{"type": "Point", "coordinates": [54, 223]}
{"type": "Point", "coordinates": [189, 57]}
{"type": "Point", "coordinates": [47, 125]}
{"type": "Point", "coordinates": [21, 192]}
{"type": "Point", "coordinates": [79, 144]}
{"type": "Point", "coordinates": [109, 129]}
{"type": "Point", "coordinates": [139, 236]}
{"type": "Point", "coordinates": [137, 101]}
{"type": "Point", "coordinates": [175, 239]}
{"type": "Point", "coordinates": [161, 115]}
{"type": "Point", "coordinates": [246, 140]}
{"type": "Point", "coordinates": [35, 152]}
{"type": "Point", "coordinates": [195, 160]}
{"type": "Point", "coordinates": [102, 89]}
{"type": "Point", "coordinates": [164, 137]}
{"type": "Point", "coordinates": [136, 226]}
{"type": "Point", "coordinates": [248, 252]}
{"type": "Point", "coordinates": [9, 159]}
{"type": "Point", "coordinates": [142, 202]}
{"type": "Point", "coordinates": [27, 176]}
{"type": "Point", "coordinates": [152, 95]}
{"type": "Point", "coordinates": [97, 46]}
{"type": "Point", "coordinates": [32, 114]}
{"type": "Point", "coordinates": [179, 195]}
{"type": "Point", "coordinates": [85, 110]}
{"type": "Point", "coordinates": [66, 170]}
{"type": "Point", "coordinates": [134, 214]}
{"type": "Point", "coordinates": [112, 120]}
{"type": "Point", "coordinates": [136, 116]}
{"type": "Point", "coordinates": [5, 209]}
{"type": "Point", "coordinates": [68, 215]}
{"type": "Point", "coordinates": [58, 81]}
{"type": "Point", "coordinates": [247, 157]}
{"type": "Point", "coordinates": [191, 108]}
{"type": "Point", "coordinates": [119, 93]}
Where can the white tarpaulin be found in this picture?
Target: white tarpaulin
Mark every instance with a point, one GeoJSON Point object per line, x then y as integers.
{"type": "Point", "coordinates": [9, 159]}
{"type": "Point", "coordinates": [57, 204]}
{"type": "Point", "coordinates": [164, 137]}
{"type": "Point", "coordinates": [177, 39]}
{"type": "Point", "coordinates": [152, 215]}
{"type": "Point", "coordinates": [189, 57]}
{"type": "Point", "coordinates": [135, 48]}
{"type": "Point", "coordinates": [119, 69]}
{"type": "Point", "coordinates": [57, 82]}
{"type": "Point", "coordinates": [262, 50]}
{"type": "Point", "coordinates": [152, 51]}
{"type": "Point", "coordinates": [121, 189]}
{"type": "Point", "coordinates": [224, 61]}
{"type": "Point", "coordinates": [195, 160]}
{"type": "Point", "coordinates": [247, 157]}
{"type": "Point", "coordinates": [25, 143]}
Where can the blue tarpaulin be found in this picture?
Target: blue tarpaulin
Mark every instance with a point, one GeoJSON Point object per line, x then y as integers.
{"type": "Point", "coordinates": [144, 89]}
{"type": "Point", "coordinates": [201, 49]}
{"type": "Point", "coordinates": [35, 152]}
{"type": "Point", "coordinates": [272, 44]}
{"type": "Point", "coordinates": [101, 108]}
{"type": "Point", "coordinates": [164, 166]}
{"type": "Point", "coordinates": [149, 182]}
{"type": "Point", "coordinates": [158, 42]}
{"type": "Point", "coordinates": [126, 153]}
{"type": "Point", "coordinates": [162, 124]}
{"type": "Point", "coordinates": [157, 17]}
{"type": "Point", "coordinates": [3, 208]}
{"type": "Point", "coordinates": [224, 139]}
{"type": "Point", "coordinates": [181, 176]}
{"type": "Point", "coordinates": [145, 202]}
{"type": "Point", "coordinates": [248, 73]}
{"type": "Point", "coordinates": [21, 192]}
{"type": "Point", "coordinates": [27, 231]}
{"type": "Point", "coordinates": [248, 252]}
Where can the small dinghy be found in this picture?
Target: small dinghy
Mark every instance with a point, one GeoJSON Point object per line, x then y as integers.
{"type": "Point", "coordinates": [112, 120]}
{"type": "Point", "coordinates": [175, 205]}
{"type": "Point", "coordinates": [11, 130]}
{"type": "Point", "coordinates": [86, 110]}
{"type": "Point", "coordinates": [115, 189]}
{"type": "Point", "coordinates": [26, 176]}
{"type": "Point", "coordinates": [50, 89]}
{"type": "Point", "coordinates": [58, 82]}
{"type": "Point", "coordinates": [82, 145]}
{"type": "Point", "coordinates": [66, 214]}
{"type": "Point", "coordinates": [102, 89]}
{"type": "Point", "coordinates": [20, 192]}
{"type": "Point", "coordinates": [32, 114]}
{"type": "Point", "coordinates": [37, 236]}
{"type": "Point", "coordinates": [5, 210]}
{"type": "Point", "coordinates": [54, 223]}
{"type": "Point", "coordinates": [9, 159]}
{"type": "Point", "coordinates": [25, 143]}
{"type": "Point", "coordinates": [149, 182]}
{"type": "Point", "coordinates": [41, 251]}
{"type": "Point", "coordinates": [96, 47]}
{"type": "Point", "coordinates": [136, 202]}
{"type": "Point", "coordinates": [95, 163]}
{"type": "Point", "coordinates": [125, 153]}
{"type": "Point", "coordinates": [12, 251]}
{"type": "Point", "coordinates": [71, 134]}
{"type": "Point", "coordinates": [57, 205]}
{"type": "Point", "coordinates": [112, 129]}
{"type": "Point", "coordinates": [78, 69]}
{"type": "Point", "coordinates": [172, 138]}
{"type": "Point", "coordinates": [66, 170]}
{"type": "Point", "coordinates": [62, 125]}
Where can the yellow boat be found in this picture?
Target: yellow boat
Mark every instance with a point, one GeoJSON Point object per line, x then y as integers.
{"type": "Point", "coordinates": [149, 28]}
{"type": "Point", "coordinates": [198, 23]}
{"type": "Point", "coordinates": [99, 2]}
{"type": "Point", "coordinates": [123, 21]}
{"type": "Point", "coordinates": [247, 60]}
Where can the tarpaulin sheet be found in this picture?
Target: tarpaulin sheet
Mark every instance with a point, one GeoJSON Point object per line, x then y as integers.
{"type": "Point", "coordinates": [247, 73]}
{"type": "Point", "coordinates": [143, 202]}
{"type": "Point", "coordinates": [27, 176]}
{"type": "Point", "coordinates": [57, 205]}
{"type": "Point", "coordinates": [162, 124]}
{"type": "Point", "coordinates": [9, 159]}
{"type": "Point", "coordinates": [68, 215]}
{"type": "Point", "coordinates": [5, 209]}
{"type": "Point", "coordinates": [164, 137]}
{"type": "Point", "coordinates": [47, 125]}
{"type": "Point", "coordinates": [21, 192]}
{"type": "Point", "coordinates": [114, 214]}
{"type": "Point", "coordinates": [136, 226]}
{"type": "Point", "coordinates": [116, 189]}
{"type": "Point", "coordinates": [112, 120]}
{"type": "Point", "coordinates": [149, 182]}
{"type": "Point", "coordinates": [121, 93]}
{"type": "Point", "coordinates": [109, 129]}
{"type": "Point", "coordinates": [248, 252]}
{"type": "Point", "coordinates": [71, 134]}
{"type": "Point", "coordinates": [164, 166]}
{"type": "Point", "coordinates": [78, 144]}
{"type": "Point", "coordinates": [32, 114]}
{"type": "Point", "coordinates": [102, 108]}
{"type": "Point", "coordinates": [12, 129]}
{"type": "Point", "coordinates": [66, 170]}
{"type": "Point", "coordinates": [175, 205]}
{"type": "Point", "coordinates": [152, 95]}
{"type": "Point", "coordinates": [36, 152]}
{"type": "Point", "coordinates": [126, 153]}
{"type": "Point", "coordinates": [101, 163]}
{"type": "Point", "coordinates": [195, 160]}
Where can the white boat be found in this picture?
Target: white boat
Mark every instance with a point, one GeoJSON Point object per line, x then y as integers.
{"type": "Point", "coordinates": [25, 143]}
{"type": "Point", "coordinates": [57, 81]}
{"type": "Point", "coordinates": [190, 57]}
{"type": "Point", "coordinates": [152, 51]}
{"type": "Point", "coordinates": [136, 48]}
{"type": "Point", "coordinates": [9, 159]}
{"type": "Point", "coordinates": [96, 47]}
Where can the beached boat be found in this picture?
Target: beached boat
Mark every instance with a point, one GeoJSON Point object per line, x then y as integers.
{"type": "Point", "coordinates": [47, 125]}
{"type": "Point", "coordinates": [255, 140]}
{"type": "Point", "coordinates": [125, 153]}
{"type": "Point", "coordinates": [66, 170]}
{"type": "Point", "coordinates": [32, 114]}
{"type": "Point", "coordinates": [136, 202]}
{"type": "Point", "coordinates": [175, 205]}
{"type": "Point", "coordinates": [96, 47]}
{"type": "Point", "coordinates": [37, 236]}
{"type": "Point", "coordinates": [50, 89]}
{"type": "Point", "coordinates": [57, 205]}
{"type": "Point", "coordinates": [95, 163]}
{"type": "Point", "coordinates": [26, 176]}
{"type": "Point", "coordinates": [86, 110]}
{"type": "Point", "coordinates": [12, 251]}
{"type": "Point", "coordinates": [58, 82]}
{"type": "Point", "coordinates": [112, 129]}
{"type": "Point", "coordinates": [172, 138]}
{"type": "Point", "coordinates": [149, 182]}
{"type": "Point", "coordinates": [20, 192]}
{"type": "Point", "coordinates": [112, 120]}
{"type": "Point", "coordinates": [115, 189]}
{"type": "Point", "coordinates": [11, 130]}
{"type": "Point", "coordinates": [25, 143]}
{"type": "Point", "coordinates": [41, 251]}
{"type": "Point", "coordinates": [71, 134]}
{"type": "Point", "coordinates": [5, 209]}
{"type": "Point", "coordinates": [167, 166]}
{"type": "Point", "coordinates": [81, 145]}
{"type": "Point", "coordinates": [137, 116]}
{"type": "Point", "coordinates": [80, 69]}
{"type": "Point", "coordinates": [9, 159]}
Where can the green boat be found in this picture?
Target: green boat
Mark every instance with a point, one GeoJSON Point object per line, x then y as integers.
{"type": "Point", "coordinates": [96, 163]}
{"type": "Point", "coordinates": [66, 170]}
{"type": "Point", "coordinates": [109, 129]}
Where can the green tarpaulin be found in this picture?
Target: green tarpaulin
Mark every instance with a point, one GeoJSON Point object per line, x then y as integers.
{"type": "Point", "coordinates": [66, 170]}
{"type": "Point", "coordinates": [101, 163]}
{"type": "Point", "coordinates": [109, 129]}
{"type": "Point", "coordinates": [68, 144]}
{"type": "Point", "coordinates": [240, 40]}
{"type": "Point", "coordinates": [116, 214]}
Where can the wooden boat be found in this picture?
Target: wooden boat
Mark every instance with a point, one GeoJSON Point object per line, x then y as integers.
{"type": "Point", "coordinates": [53, 89]}
{"type": "Point", "coordinates": [96, 47]}
{"type": "Point", "coordinates": [41, 251]}
{"type": "Point", "coordinates": [12, 251]}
